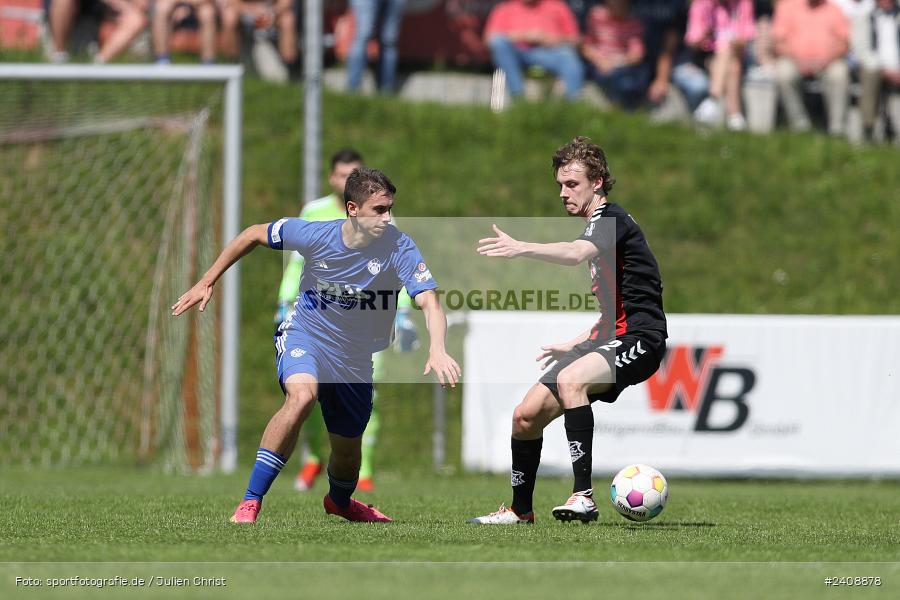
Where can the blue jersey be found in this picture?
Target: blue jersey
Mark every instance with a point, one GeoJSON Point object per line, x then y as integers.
{"type": "Point", "coordinates": [348, 296]}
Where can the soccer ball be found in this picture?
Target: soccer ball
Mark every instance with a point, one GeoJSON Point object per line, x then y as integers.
{"type": "Point", "coordinates": [639, 492]}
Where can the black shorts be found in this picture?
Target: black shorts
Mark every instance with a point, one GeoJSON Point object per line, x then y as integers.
{"type": "Point", "coordinates": [633, 357]}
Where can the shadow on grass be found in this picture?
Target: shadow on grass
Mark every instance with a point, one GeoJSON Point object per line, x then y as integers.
{"type": "Point", "coordinates": [663, 525]}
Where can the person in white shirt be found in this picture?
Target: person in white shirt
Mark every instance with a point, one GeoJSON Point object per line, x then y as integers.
{"type": "Point", "coordinates": [882, 75]}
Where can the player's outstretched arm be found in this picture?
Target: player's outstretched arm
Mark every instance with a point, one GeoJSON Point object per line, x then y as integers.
{"type": "Point", "coordinates": [201, 293]}
{"type": "Point", "coordinates": [446, 369]}
{"type": "Point", "coordinates": [560, 253]}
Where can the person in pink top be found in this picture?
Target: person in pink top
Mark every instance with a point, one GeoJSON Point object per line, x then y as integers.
{"type": "Point", "coordinates": [721, 28]}
{"type": "Point", "coordinates": [539, 33]}
{"type": "Point", "coordinates": [614, 50]}
{"type": "Point", "coordinates": [811, 39]}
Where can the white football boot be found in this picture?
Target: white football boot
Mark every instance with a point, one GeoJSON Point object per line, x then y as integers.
{"type": "Point", "coordinates": [579, 507]}
{"type": "Point", "coordinates": [504, 516]}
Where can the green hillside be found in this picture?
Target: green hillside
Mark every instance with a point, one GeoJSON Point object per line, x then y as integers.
{"type": "Point", "coordinates": [739, 223]}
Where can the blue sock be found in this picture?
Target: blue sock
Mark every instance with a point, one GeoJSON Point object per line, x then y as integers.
{"type": "Point", "coordinates": [340, 491]}
{"type": "Point", "coordinates": [268, 466]}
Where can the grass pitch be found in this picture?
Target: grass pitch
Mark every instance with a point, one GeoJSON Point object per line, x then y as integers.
{"type": "Point", "coordinates": [743, 538]}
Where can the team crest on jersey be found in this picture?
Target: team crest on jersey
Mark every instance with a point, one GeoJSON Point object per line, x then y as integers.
{"type": "Point", "coordinates": [422, 276]}
{"type": "Point", "coordinates": [374, 266]}
{"type": "Point", "coordinates": [297, 352]}
{"type": "Point", "coordinates": [421, 267]}
{"type": "Point", "coordinates": [590, 229]}
{"type": "Point", "coordinates": [321, 264]}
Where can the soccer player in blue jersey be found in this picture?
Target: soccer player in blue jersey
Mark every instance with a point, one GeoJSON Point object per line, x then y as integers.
{"type": "Point", "coordinates": [344, 313]}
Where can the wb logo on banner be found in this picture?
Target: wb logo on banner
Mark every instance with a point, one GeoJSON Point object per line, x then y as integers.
{"type": "Point", "coordinates": [689, 378]}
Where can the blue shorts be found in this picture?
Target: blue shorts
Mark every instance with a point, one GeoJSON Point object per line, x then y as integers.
{"type": "Point", "coordinates": [345, 382]}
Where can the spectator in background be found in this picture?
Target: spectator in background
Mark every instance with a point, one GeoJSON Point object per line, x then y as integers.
{"type": "Point", "coordinates": [762, 52]}
{"type": "Point", "coordinates": [581, 9]}
{"type": "Point", "coordinates": [811, 39]}
{"type": "Point", "coordinates": [858, 13]}
{"type": "Point", "coordinates": [884, 27]}
{"type": "Point", "coordinates": [261, 14]}
{"type": "Point", "coordinates": [721, 29]}
{"type": "Point", "coordinates": [130, 16]}
{"type": "Point", "coordinates": [860, 59]}
{"type": "Point", "coordinates": [168, 13]}
{"type": "Point", "coordinates": [366, 15]}
{"type": "Point", "coordinates": [614, 49]}
{"type": "Point", "coordinates": [668, 59]}
{"type": "Point", "coordinates": [539, 33]}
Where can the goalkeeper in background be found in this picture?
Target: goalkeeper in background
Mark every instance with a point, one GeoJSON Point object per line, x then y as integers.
{"type": "Point", "coordinates": [331, 208]}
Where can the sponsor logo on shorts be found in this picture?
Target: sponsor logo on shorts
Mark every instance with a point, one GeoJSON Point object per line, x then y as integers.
{"type": "Point", "coordinates": [629, 355]}
{"type": "Point", "coordinates": [297, 352]}
{"type": "Point", "coordinates": [575, 450]}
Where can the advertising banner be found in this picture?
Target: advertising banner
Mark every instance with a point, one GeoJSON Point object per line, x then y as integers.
{"type": "Point", "coordinates": [735, 395]}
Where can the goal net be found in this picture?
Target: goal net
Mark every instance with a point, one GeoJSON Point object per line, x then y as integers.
{"type": "Point", "coordinates": [110, 202]}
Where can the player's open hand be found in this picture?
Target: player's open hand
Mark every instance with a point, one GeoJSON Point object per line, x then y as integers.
{"type": "Point", "coordinates": [446, 369]}
{"type": "Point", "coordinates": [200, 293]}
{"type": "Point", "coordinates": [503, 245]}
{"type": "Point", "coordinates": [553, 352]}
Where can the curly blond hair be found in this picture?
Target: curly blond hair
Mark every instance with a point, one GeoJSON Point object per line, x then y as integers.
{"type": "Point", "coordinates": [589, 154]}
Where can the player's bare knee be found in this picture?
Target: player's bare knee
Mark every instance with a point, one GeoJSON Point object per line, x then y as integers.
{"type": "Point", "coordinates": [299, 402]}
{"type": "Point", "coordinates": [522, 421]}
{"type": "Point", "coordinates": [529, 421]}
{"type": "Point", "coordinates": [571, 390]}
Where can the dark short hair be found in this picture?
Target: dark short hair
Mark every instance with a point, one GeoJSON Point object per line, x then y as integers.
{"type": "Point", "coordinates": [589, 154]}
{"type": "Point", "coordinates": [363, 183]}
{"type": "Point", "coordinates": [345, 156]}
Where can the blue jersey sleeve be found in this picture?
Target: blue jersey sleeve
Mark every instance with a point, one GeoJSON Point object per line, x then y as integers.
{"type": "Point", "coordinates": [290, 234]}
{"type": "Point", "coordinates": [411, 268]}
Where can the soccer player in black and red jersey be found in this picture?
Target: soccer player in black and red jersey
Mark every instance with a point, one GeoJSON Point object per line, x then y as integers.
{"type": "Point", "coordinates": [624, 347]}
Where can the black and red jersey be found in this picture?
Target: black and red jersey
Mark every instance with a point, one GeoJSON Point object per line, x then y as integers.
{"type": "Point", "coordinates": [625, 274]}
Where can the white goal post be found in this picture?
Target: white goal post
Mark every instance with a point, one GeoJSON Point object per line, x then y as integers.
{"type": "Point", "coordinates": [227, 370]}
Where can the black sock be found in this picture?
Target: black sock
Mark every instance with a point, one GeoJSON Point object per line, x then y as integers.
{"type": "Point", "coordinates": [526, 456]}
{"type": "Point", "coordinates": [339, 490]}
{"type": "Point", "coordinates": [580, 431]}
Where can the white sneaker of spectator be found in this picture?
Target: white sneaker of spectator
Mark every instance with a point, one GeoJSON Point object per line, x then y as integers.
{"type": "Point", "coordinates": [736, 122]}
{"type": "Point", "coordinates": [709, 112]}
